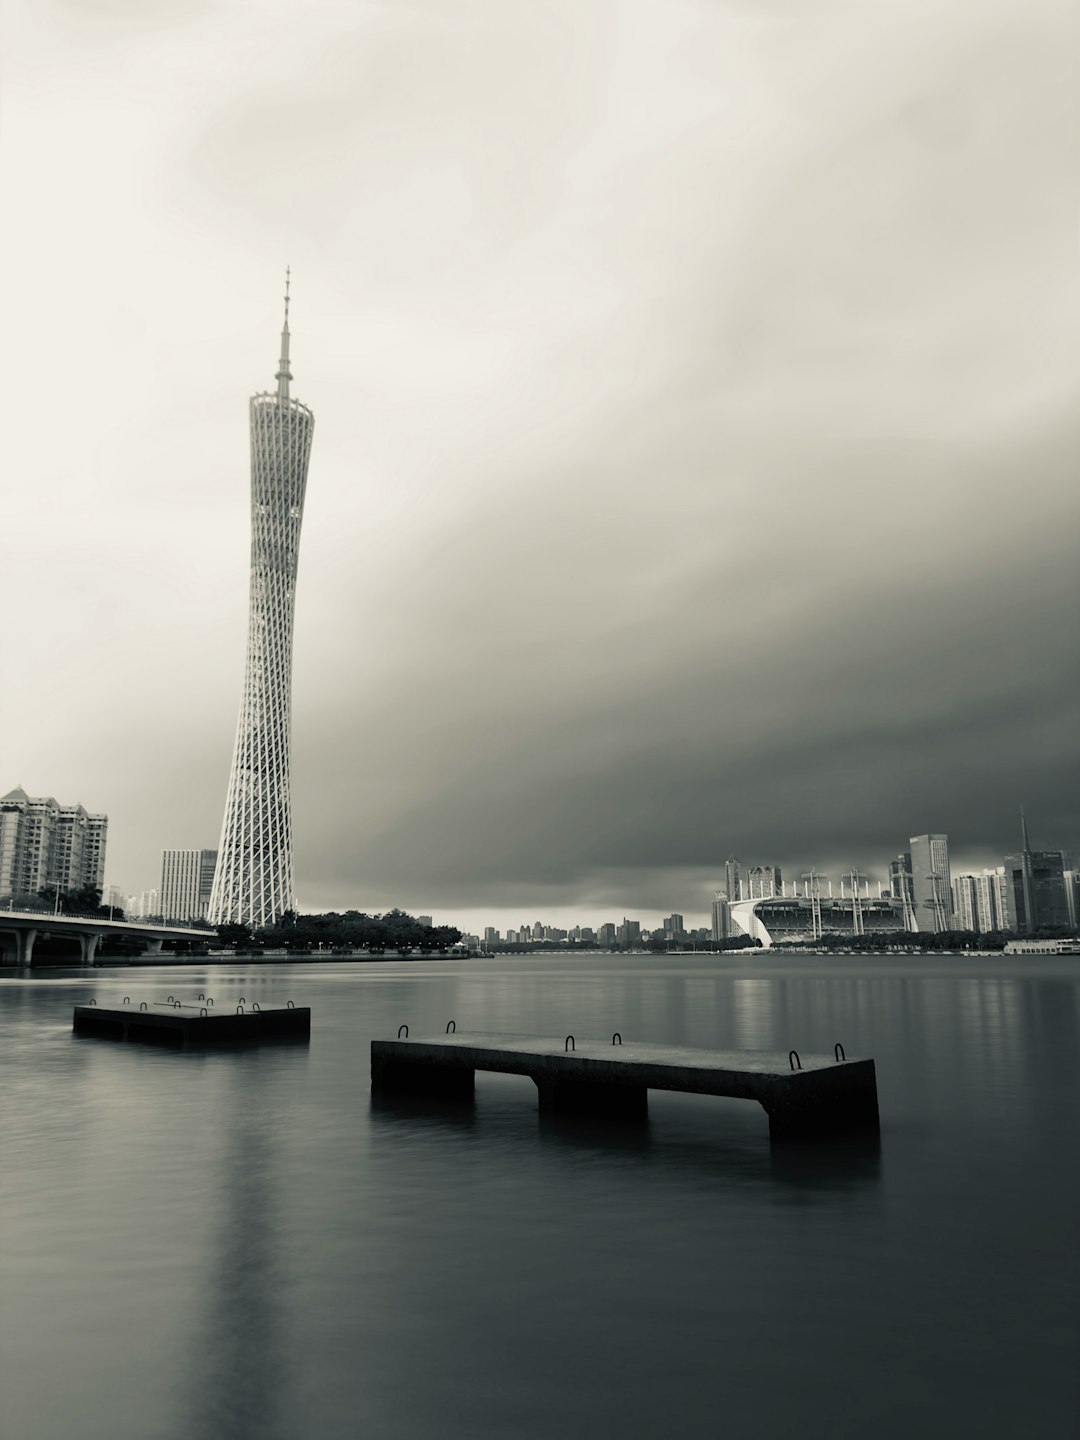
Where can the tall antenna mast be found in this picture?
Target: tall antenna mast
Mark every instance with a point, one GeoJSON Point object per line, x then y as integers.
{"type": "Point", "coordinates": [283, 376]}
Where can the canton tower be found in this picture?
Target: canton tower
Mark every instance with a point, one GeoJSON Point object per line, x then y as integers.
{"type": "Point", "coordinates": [253, 883]}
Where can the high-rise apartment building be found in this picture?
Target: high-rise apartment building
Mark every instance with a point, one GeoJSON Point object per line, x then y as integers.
{"type": "Point", "coordinates": [187, 880]}
{"type": "Point", "coordinates": [721, 916]}
{"type": "Point", "coordinates": [43, 843]}
{"type": "Point", "coordinates": [965, 905]}
{"type": "Point", "coordinates": [606, 934]}
{"type": "Point", "coordinates": [931, 882]}
{"type": "Point", "coordinates": [976, 902]}
{"type": "Point", "coordinates": [113, 897]}
{"type": "Point", "coordinates": [733, 878]}
{"type": "Point", "coordinates": [143, 906]}
{"type": "Point", "coordinates": [254, 880]}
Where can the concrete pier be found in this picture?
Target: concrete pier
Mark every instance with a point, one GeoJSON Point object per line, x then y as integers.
{"type": "Point", "coordinates": [178, 1025]}
{"type": "Point", "coordinates": [826, 1096]}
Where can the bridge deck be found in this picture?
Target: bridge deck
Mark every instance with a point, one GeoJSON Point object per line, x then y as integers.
{"type": "Point", "coordinates": [825, 1095]}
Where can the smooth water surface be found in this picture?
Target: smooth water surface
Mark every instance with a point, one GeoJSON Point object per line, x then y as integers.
{"type": "Point", "coordinates": [244, 1244]}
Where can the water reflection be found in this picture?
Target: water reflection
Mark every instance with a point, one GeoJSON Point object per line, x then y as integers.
{"type": "Point", "coordinates": [702, 1138]}
{"type": "Point", "coordinates": [239, 1366]}
{"type": "Point", "coordinates": [416, 1113]}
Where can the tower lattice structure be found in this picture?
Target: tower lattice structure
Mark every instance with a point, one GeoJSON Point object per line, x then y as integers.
{"type": "Point", "coordinates": [253, 883]}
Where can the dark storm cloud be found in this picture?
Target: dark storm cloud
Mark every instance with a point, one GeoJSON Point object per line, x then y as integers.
{"type": "Point", "coordinates": [753, 717]}
{"type": "Point", "coordinates": [694, 464]}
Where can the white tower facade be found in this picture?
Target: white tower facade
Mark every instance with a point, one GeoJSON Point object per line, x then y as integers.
{"type": "Point", "coordinates": [253, 883]}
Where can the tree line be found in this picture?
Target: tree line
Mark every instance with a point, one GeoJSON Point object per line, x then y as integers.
{"type": "Point", "coordinates": [353, 930]}
{"type": "Point", "coordinates": [55, 900]}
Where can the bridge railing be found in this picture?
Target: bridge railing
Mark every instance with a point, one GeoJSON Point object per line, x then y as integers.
{"type": "Point", "coordinates": [47, 912]}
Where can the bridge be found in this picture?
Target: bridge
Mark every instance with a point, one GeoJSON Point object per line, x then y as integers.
{"type": "Point", "coordinates": [20, 929]}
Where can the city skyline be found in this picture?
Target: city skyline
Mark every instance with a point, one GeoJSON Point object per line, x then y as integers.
{"type": "Point", "coordinates": [640, 530]}
{"type": "Point", "coordinates": [751, 878]}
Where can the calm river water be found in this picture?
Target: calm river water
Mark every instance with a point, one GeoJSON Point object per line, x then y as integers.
{"type": "Point", "coordinates": [222, 1246]}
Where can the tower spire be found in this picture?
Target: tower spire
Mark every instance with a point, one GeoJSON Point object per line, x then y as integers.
{"type": "Point", "coordinates": [283, 375]}
{"type": "Point", "coordinates": [1024, 832]}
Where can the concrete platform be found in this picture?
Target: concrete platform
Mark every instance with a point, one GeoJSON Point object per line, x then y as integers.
{"type": "Point", "coordinates": [177, 1025]}
{"type": "Point", "coordinates": [826, 1096]}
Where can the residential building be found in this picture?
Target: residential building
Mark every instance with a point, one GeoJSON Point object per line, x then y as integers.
{"type": "Point", "coordinates": [721, 916]}
{"type": "Point", "coordinates": [965, 904]}
{"type": "Point", "coordinates": [606, 935]}
{"type": "Point", "coordinates": [733, 878]}
{"type": "Point", "coordinates": [988, 914]}
{"type": "Point", "coordinates": [43, 843]}
{"type": "Point", "coordinates": [113, 896]}
{"type": "Point", "coordinates": [931, 882]}
{"type": "Point", "coordinates": [143, 905]}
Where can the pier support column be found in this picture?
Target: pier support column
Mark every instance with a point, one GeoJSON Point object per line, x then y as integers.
{"type": "Point", "coordinates": [591, 1097]}
{"type": "Point", "coordinates": [25, 946]}
{"type": "Point", "coordinates": [825, 1102]}
{"type": "Point", "coordinates": [153, 947]}
{"type": "Point", "coordinates": [411, 1077]}
{"type": "Point", "coordinates": [88, 946]}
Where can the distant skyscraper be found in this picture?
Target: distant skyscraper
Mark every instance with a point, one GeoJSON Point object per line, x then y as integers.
{"type": "Point", "coordinates": [721, 916]}
{"type": "Point", "coordinates": [975, 899]}
{"type": "Point", "coordinates": [965, 903]}
{"type": "Point", "coordinates": [254, 879]}
{"type": "Point", "coordinates": [187, 880]}
{"type": "Point", "coordinates": [1072, 896]}
{"type": "Point", "coordinates": [140, 906]}
{"type": "Point", "coordinates": [113, 896]}
{"type": "Point", "coordinates": [763, 882]}
{"type": "Point", "coordinates": [43, 843]}
{"type": "Point", "coordinates": [733, 878]}
{"type": "Point", "coordinates": [931, 882]}
{"type": "Point", "coordinates": [1034, 885]}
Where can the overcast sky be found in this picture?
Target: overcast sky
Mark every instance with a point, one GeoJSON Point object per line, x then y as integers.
{"type": "Point", "coordinates": [695, 462]}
